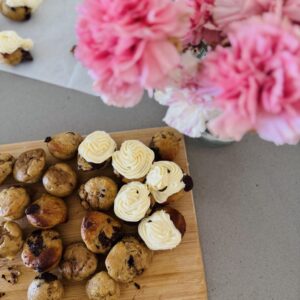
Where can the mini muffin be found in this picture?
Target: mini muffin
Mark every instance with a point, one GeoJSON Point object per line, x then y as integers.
{"type": "Point", "coordinates": [13, 202]}
{"type": "Point", "coordinates": [128, 259]}
{"type": "Point", "coordinates": [78, 263]}
{"type": "Point", "coordinates": [11, 240]}
{"type": "Point", "coordinates": [102, 287]}
{"type": "Point", "coordinates": [167, 182]}
{"type": "Point", "coordinates": [133, 202]}
{"type": "Point", "coordinates": [163, 230]}
{"type": "Point", "coordinates": [95, 151]}
{"type": "Point", "coordinates": [6, 166]}
{"type": "Point", "coordinates": [98, 193]}
{"type": "Point", "coordinates": [42, 250]}
{"type": "Point", "coordinates": [19, 10]}
{"type": "Point", "coordinates": [133, 161]}
{"type": "Point", "coordinates": [165, 144]}
{"type": "Point", "coordinates": [64, 145]}
{"type": "Point", "coordinates": [47, 212]}
{"type": "Point", "coordinates": [45, 286]}
{"type": "Point", "coordinates": [60, 180]}
{"type": "Point", "coordinates": [29, 166]}
{"type": "Point", "coordinates": [100, 231]}
{"type": "Point", "coordinates": [14, 49]}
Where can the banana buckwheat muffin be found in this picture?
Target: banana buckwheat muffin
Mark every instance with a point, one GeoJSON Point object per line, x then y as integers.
{"type": "Point", "coordinates": [6, 166]}
{"type": "Point", "coordinates": [128, 259]}
{"type": "Point", "coordinates": [42, 250]}
{"type": "Point", "coordinates": [13, 202]}
{"type": "Point", "coordinates": [98, 193]}
{"type": "Point", "coordinates": [64, 145]}
{"type": "Point", "coordinates": [167, 182]}
{"type": "Point", "coordinates": [47, 212]}
{"type": "Point", "coordinates": [45, 286]}
{"type": "Point", "coordinates": [163, 230]}
{"type": "Point", "coordinates": [11, 240]}
{"type": "Point", "coordinates": [165, 144]}
{"type": "Point", "coordinates": [78, 263]}
{"type": "Point", "coordinates": [60, 180]}
{"type": "Point", "coordinates": [29, 166]}
{"type": "Point", "coordinates": [14, 49]}
{"type": "Point", "coordinates": [19, 10]}
{"type": "Point", "coordinates": [100, 231]}
{"type": "Point", "coordinates": [95, 151]}
{"type": "Point", "coordinates": [102, 287]}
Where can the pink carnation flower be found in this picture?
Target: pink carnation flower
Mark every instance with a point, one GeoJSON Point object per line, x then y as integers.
{"type": "Point", "coordinates": [130, 45]}
{"type": "Point", "coordinates": [291, 9]}
{"type": "Point", "coordinates": [259, 81]}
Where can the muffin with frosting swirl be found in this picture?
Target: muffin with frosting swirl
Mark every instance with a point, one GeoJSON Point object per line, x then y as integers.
{"type": "Point", "coordinates": [95, 151]}
{"type": "Point", "coordinates": [167, 182]}
{"type": "Point", "coordinates": [163, 230]}
{"type": "Point", "coordinates": [133, 161]}
{"type": "Point", "coordinates": [133, 202]}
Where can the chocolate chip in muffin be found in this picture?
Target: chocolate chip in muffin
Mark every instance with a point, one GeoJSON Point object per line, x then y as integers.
{"type": "Point", "coordinates": [188, 181]}
{"type": "Point", "coordinates": [32, 209]}
{"type": "Point", "coordinates": [36, 244]}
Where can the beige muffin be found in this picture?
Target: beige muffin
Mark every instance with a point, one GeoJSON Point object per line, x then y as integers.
{"type": "Point", "coordinates": [45, 286]}
{"type": "Point", "coordinates": [60, 180]}
{"type": "Point", "coordinates": [128, 259]}
{"type": "Point", "coordinates": [11, 240]}
{"type": "Point", "coordinates": [98, 193]}
{"type": "Point", "coordinates": [78, 263]}
{"type": "Point", "coordinates": [102, 287]}
{"type": "Point", "coordinates": [64, 145]}
{"type": "Point", "coordinates": [6, 166]}
{"type": "Point", "coordinates": [47, 212]}
{"type": "Point", "coordinates": [13, 202]}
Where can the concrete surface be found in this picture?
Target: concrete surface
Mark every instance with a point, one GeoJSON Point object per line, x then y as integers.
{"type": "Point", "coordinates": [247, 194]}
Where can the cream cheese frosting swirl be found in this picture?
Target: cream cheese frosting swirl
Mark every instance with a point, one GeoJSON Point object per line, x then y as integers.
{"type": "Point", "coordinates": [133, 160]}
{"type": "Point", "coordinates": [33, 4]}
{"type": "Point", "coordinates": [97, 147]}
{"type": "Point", "coordinates": [132, 202]}
{"type": "Point", "coordinates": [164, 180]}
{"type": "Point", "coordinates": [159, 232]}
{"type": "Point", "coordinates": [10, 41]}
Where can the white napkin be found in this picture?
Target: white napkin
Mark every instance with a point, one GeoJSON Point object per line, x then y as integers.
{"type": "Point", "coordinates": [52, 29]}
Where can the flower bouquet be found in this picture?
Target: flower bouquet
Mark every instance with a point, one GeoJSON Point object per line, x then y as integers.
{"type": "Point", "coordinates": [223, 67]}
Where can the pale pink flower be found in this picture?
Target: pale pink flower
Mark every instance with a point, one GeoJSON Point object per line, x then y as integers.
{"type": "Point", "coordinates": [130, 45]}
{"type": "Point", "coordinates": [291, 9]}
{"type": "Point", "coordinates": [259, 81]}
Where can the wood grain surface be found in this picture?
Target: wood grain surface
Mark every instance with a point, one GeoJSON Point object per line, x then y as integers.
{"type": "Point", "coordinates": [174, 275]}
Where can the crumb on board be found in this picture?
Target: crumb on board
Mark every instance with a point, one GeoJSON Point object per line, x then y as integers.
{"type": "Point", "coordinates": [2, 294]}
{"type": "Point", "coordinates": [137, 285]}
{"type": "Point", "coordinates": [73, 49]}
{"type": "Point", "coordinates": [10, 275]}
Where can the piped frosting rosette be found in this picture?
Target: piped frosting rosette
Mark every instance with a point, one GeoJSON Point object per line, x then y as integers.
{"type": "Point", "coordinates": [97, 147]}
{"type": "Point", "coordinates": [10, 41]}
{"type": "Point", "coordinates": [32, 4]}
{"type": "Point", "coordinates": [133, 160]}
{"type": "Point", "coordinates": [132, 202]}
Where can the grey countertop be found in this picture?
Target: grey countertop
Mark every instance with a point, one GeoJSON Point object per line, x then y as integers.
{"type": "Point", "coordinates": [247, 195]}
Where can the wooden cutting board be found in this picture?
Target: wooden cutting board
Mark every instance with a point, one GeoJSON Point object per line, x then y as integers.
{"type": "Point", "coordinates": [173, 275]}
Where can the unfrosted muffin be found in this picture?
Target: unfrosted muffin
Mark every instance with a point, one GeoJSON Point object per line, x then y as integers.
{"type": "Point", "coordinates": [163, 230]}
{"type": "Point", "coordinates": [100, 231]}
{"type": "Point", "coordinates": [19, 10]}
{"type": "Point", "coordinates": [60, 180]}
{"type": "Point", "coordinates": [42, 250]}
{"type": "Point", "coordinates": [133, 202]}
{"type": "Point", "coordinates": [6, 166]}
{"type": "Point", "coordinates": [128, 259]}
{"type": "Point", "coordinates": [47, 212]}
{"type": "Point", "coordinates": [30, 165]}
{"type": "Point", "coordinates": [13, 202]}
{"type": "Point", "coordinates": [98, 193]}
{"type": "Point", "coordinates": [45, 286]}
{"type": "Point", "coordinates": [78, 263]}
{"type": "Point", "coordinates": [166, 144]}
{"type": "Point", "coordinates": [11, 240]}
{"type": "Point", "coordinates": [64, 145]}
{"type": "Point", "coordinates": [167, 182]}
{"type": "Point", "coordinates": [14, 49]}
{"type": "Point", "coordinates": [102, 287]}
{"type": "Point", "coordinates": [95, 151]}
{"type": "Point", "coordinates": [133, 161]}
